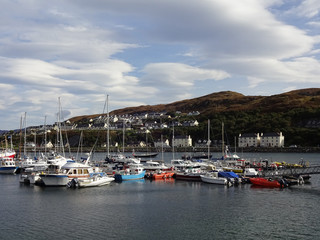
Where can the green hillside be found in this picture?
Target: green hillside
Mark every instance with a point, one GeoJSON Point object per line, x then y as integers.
{"type": "Point", "coordinates": [296, 114]}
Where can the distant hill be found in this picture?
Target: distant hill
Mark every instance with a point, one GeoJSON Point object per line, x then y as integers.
{"type": "Point", "coordinates": [295, 113]}
{"type": "Point", "coordinates": [229, 101]}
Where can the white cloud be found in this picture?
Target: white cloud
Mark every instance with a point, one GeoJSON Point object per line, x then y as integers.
{"type": "Point", "coordinates": [307, 8]}
{"type": "Point", "coordinates": [80, 50]}
{"type": "Point", "coordinates": [180, 75]}
{"type": "Point", "coordinates": [254, 82]}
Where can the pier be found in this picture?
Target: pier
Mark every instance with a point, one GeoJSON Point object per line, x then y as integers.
{"type": "Point", "coordinates": [294, 171]}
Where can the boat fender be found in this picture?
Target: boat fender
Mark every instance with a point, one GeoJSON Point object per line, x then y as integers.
{"type": "Point", "coordinates": [300, 180]}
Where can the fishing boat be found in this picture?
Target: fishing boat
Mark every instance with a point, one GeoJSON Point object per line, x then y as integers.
{"type": "Point", "coordinates": [212, 177]}
{"type": "Point", "coordinates": [267, 182]}
{"type": "Point", "coordinates": [7, 165]}
{"type": "Point", "coordinates": [133, 172]}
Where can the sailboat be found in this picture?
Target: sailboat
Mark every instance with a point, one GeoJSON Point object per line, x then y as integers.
{"type": "Point", "coordinates": [7, 152]}
{"type": "Point", "coordinates": [147, 154]}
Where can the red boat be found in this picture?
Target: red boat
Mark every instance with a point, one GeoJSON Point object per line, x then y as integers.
{"type": "Point", "coordinates": [264, 182]}
{"type": "Point", "coordinates": [162, 175]}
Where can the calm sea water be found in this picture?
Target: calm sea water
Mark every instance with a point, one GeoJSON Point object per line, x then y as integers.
{"type": "Point", "coordinates": [162, 209]}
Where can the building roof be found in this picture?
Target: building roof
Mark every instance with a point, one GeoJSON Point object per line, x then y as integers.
{"type": "Point", "coordinates": [274, 134]}
{"type": "Point", "coordinates": [246, 135]}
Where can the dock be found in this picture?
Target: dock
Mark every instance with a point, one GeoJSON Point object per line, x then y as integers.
{"type": "Point", "coordinates": [294, 171]}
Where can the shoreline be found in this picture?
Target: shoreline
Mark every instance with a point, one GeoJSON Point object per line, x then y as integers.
{"type": "Point", "coordinates": [188, 150]}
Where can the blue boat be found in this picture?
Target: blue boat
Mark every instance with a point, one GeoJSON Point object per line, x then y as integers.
{"type": "Point", "coordinates": [235, 179]}
{"type": "Point", "coordinates": [133, 172]}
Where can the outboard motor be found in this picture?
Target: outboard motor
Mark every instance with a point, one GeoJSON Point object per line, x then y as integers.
{"type": "Point", "coordinates": [73, 183]}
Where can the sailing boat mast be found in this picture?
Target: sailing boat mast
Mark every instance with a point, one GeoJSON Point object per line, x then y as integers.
{"type": "Point", "coordinates": [59, 126]}
{"type": "Point", "coordinates": [20, 145]}
{"type": "Point", "coordinates": [45, 135]}
{"type": "Point", "coordinates": [173, 141]}
{"type": "Point", "coordinates": [209, 142]}
{"type": "Point", "coordinates": [25, 134]}
{"type": "Point", "coordinates": [123, 134]}
{"type": "Point", "coordinates": [222, 130]}
{"type": "Point", "coordinates": [108, 129]}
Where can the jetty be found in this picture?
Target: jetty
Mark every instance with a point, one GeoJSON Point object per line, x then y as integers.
{"type": "Point", "coordinates": [291, 171]}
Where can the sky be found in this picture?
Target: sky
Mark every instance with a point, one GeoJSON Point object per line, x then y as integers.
{"type": "Point", "coordinates": [147, 52]}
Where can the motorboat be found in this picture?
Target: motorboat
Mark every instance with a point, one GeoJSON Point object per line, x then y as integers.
{"type": "Point", "coordinates": [162, 175]}
{"type": "Point", "coordinates": [56, 176]}
{"type": "Point", "coordinates": [133, 172]}
{"type": "Point", "coordinates": [95, 180]}
{"type": "Point", "coordinates": [121, 158]}
{"type": "Point", "coordinates": [250, 172]}
{"type": "Point", "coordinates": [7, 165]}
{"type": "Point", "coordinates": [268, 182]}
{"type": "Point", "coordinates": [154, 165]}
{"type": "Point", "coordinates": [30, 176]}
{"type": "Point", "coordinates": [179, 164]}
{"type": "Point", "coordinates": [37, 164]}
{"type": "Point", "coordinates": [190, 174]}
{"type": "Point", "coordinates": [232, 176]}
{"type": "Point", "coordinates": [213, 177]}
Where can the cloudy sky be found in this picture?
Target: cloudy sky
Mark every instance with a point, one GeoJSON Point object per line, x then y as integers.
{"type": "Point", "coordinates": [149, 52]}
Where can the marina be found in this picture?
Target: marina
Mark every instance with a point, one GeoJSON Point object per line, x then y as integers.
{"type": "Point", "coordinates": [166, 208]}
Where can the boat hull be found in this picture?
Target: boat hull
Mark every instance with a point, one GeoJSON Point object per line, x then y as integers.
{"type": "Point", "coordinates": [188, 177]}
{"type": "Point", "coordinates": [214, 180]}
{"type": "Point", "coordinates": [8, 170]}
{"type": "Point", "coordinates": [54, 179]}
{"type": "Point", "coordinates": [163, 175]}
{"type": "Point", "coordinates": [92, 182]}
{"type": "Point", "coordinates": [124, 177]}
{"type": "Point", "coordinates": [262, 182]}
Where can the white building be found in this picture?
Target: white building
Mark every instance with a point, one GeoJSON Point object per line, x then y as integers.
{"type": "Point", "coordinates": [249, 140]}
{"type": "Point", "coordinates": [182, 141]}
{"type": "Point", "coordinates": [160, 144]}
{"type": "Point", "coordinates": [272, 140]}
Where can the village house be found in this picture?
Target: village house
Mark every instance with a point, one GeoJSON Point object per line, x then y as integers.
{"type": "Point", "coordinates": [164, 144]}
{"type": "Point", "coordinates": [182, 141]}
{"type": "Point", "coordinates": [261, 140]}
{"type": "Point", "coordinates": [249, 140]}
{"type": "Point", "coordinates": [272, 140]}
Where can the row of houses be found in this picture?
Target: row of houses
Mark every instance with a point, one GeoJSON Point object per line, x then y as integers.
{"type": "Point", "coordinates": [261, 140]}
{"type": "Point", "coordinates": [245, 140]}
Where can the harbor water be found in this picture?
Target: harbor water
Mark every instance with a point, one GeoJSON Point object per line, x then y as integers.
{"type": "Point", "coordinates": [165, 209]}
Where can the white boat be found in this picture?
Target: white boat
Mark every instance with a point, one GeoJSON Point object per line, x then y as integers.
{"type": "Point", "coordinates": [212, 177]}
{"type": "Point", "coordinates": [154, 165]}
{"type": "Point", "coordinates": [30, 176]}
{"type": "Point", "coordinates": [60, 175]}
{"type": "Point", "coordinates": [94, 181]}
{"type": "Point", "coordinates": [179, 164]}
{"type": "Point", "coordinates": [7, 165]}
{"type": "Point", "coordinates": [250, 172]}
{"type": "Point", "coordinates": [38, 165]}
{"type": "Point", "coordinates": [7, 153]}
{"type": "Point", "coordinates": [121, 158]}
